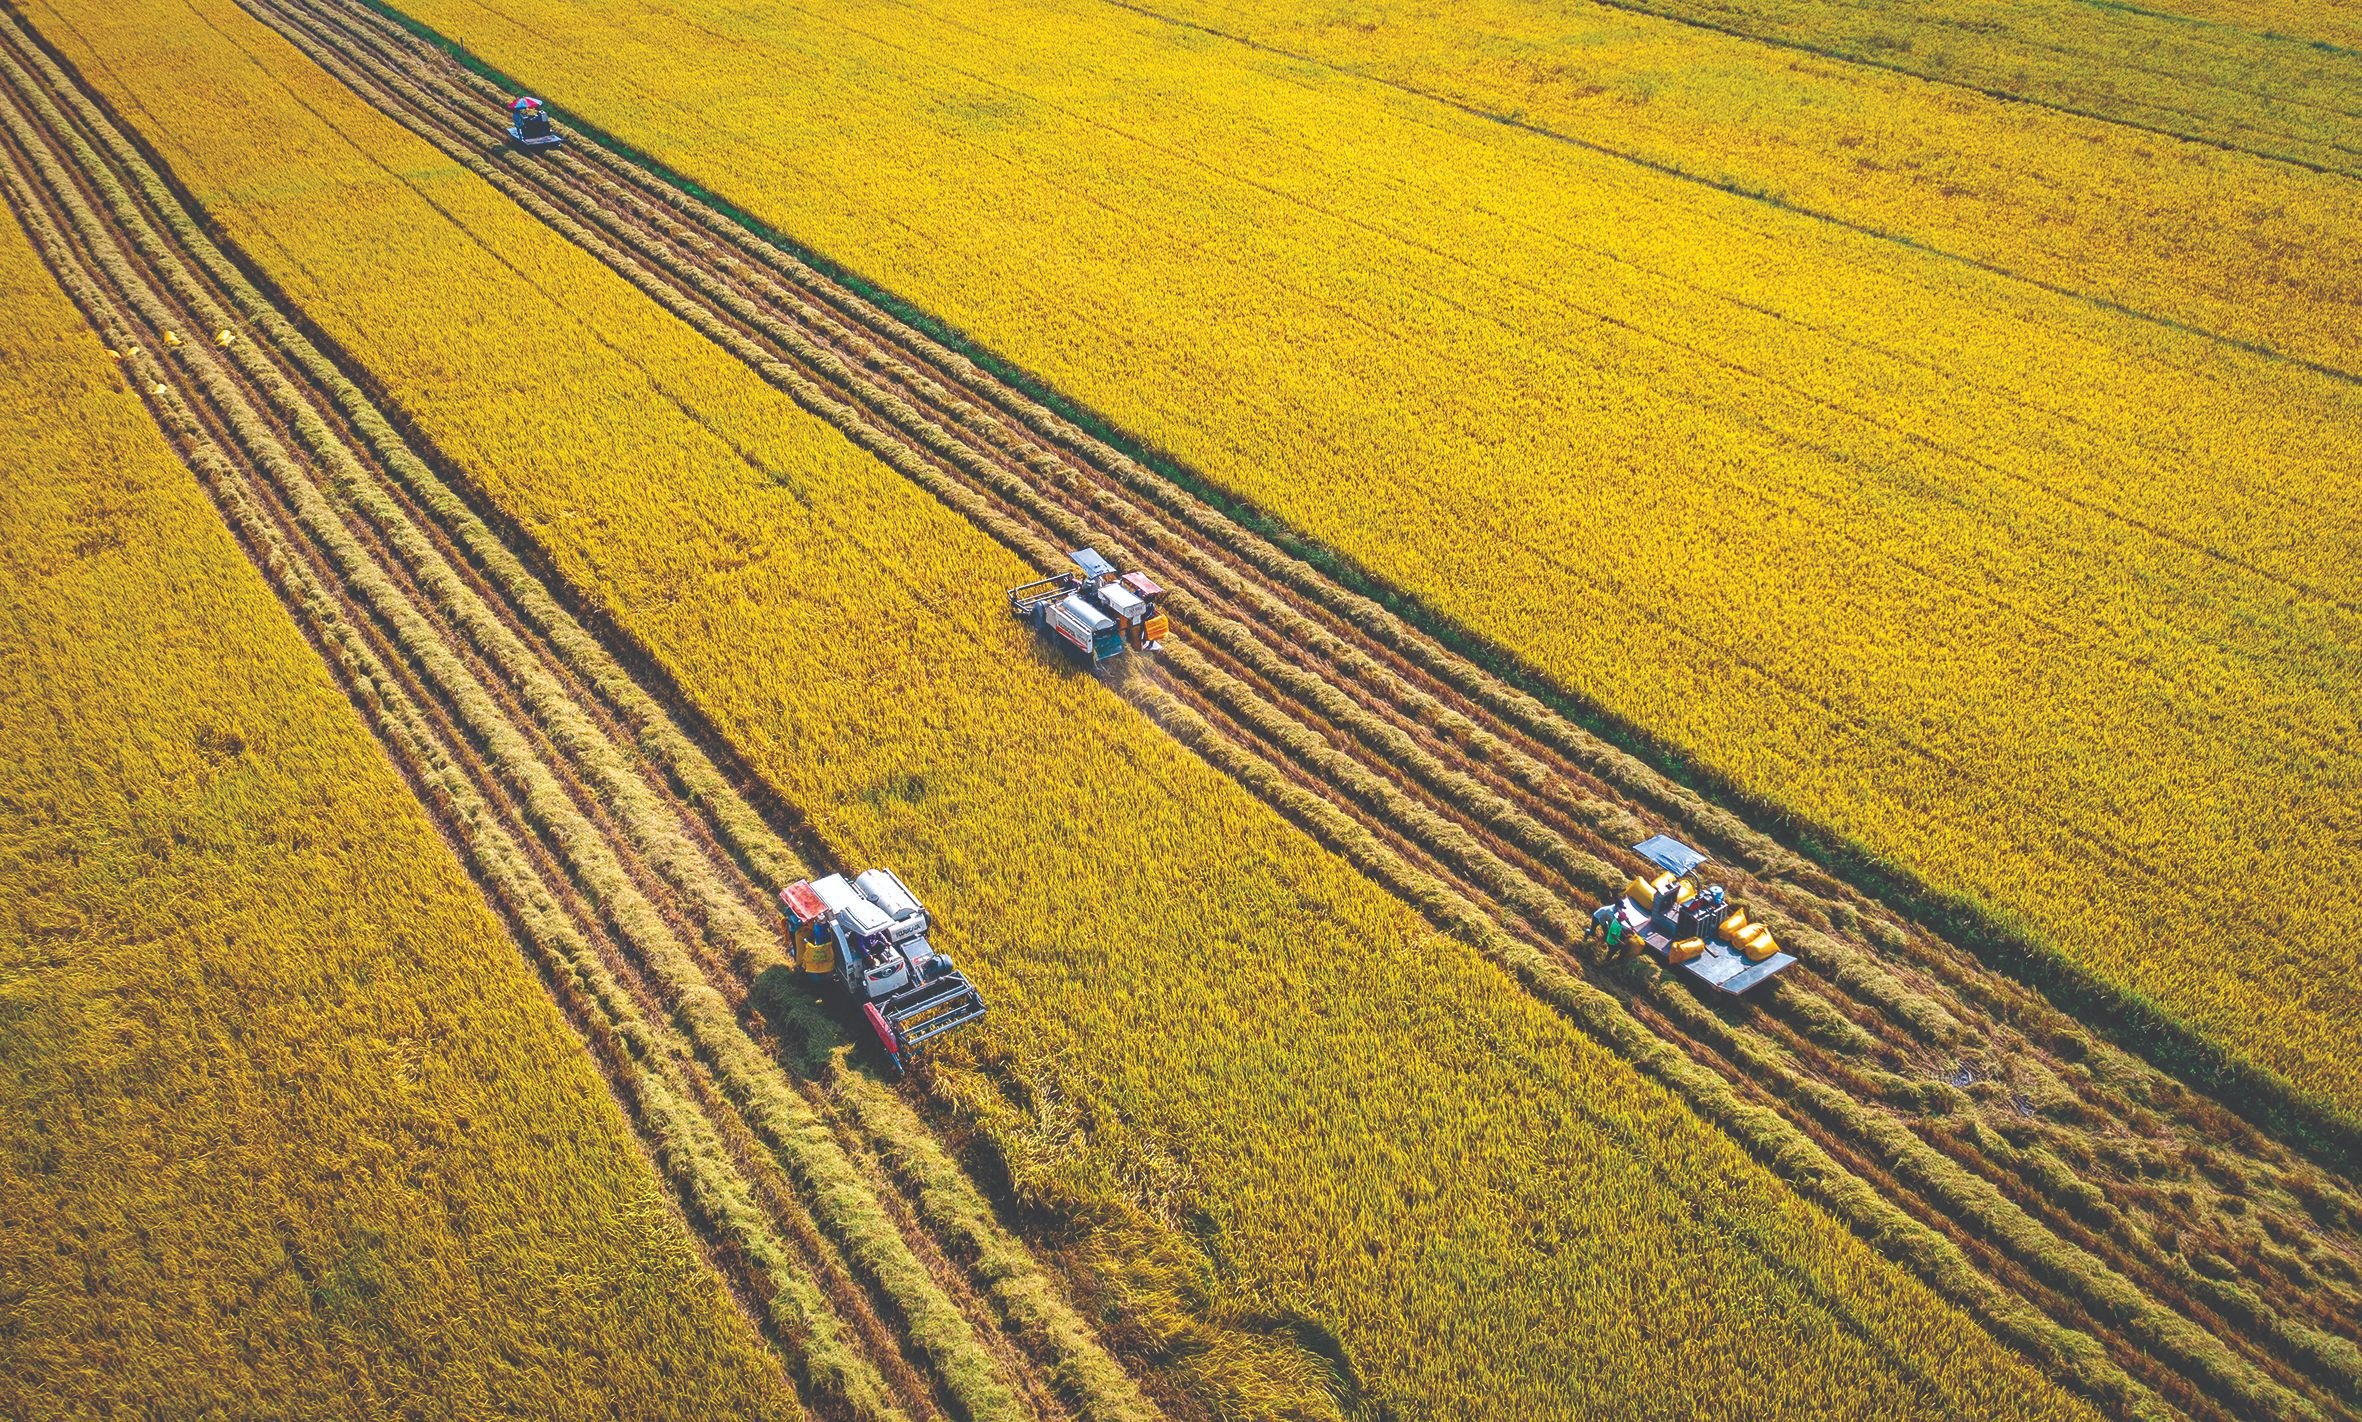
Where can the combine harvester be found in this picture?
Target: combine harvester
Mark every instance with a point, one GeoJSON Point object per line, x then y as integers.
{"type": "Point", "coordinates": [1698, 931]}
{"type": "Point", "coordinates": [1097, 612]}
{"type": "Point", "coordinates": [869, 936]}
{"type": "Point", "coordinates": [528, 124]}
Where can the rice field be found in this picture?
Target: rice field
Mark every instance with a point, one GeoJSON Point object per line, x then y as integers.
{"type": "Point", "coordinates": [907, 779]}
{"type": "Point", "coordinates": [2036, 601]}
{"type": "Point", "coordinates": [1889, 448]}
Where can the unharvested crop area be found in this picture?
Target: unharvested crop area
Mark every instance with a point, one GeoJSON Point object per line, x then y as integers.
{"type": "Point", "coordinates": [2225, 240]}
{"type": "Point", "coordinates": [2036, 600]}
{"type": "Point", "coordinates": [2278, 80]}
{"type": "Point", "coordinates": [661, 557]}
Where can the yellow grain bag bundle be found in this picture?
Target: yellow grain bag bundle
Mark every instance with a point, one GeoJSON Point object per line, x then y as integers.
{"type": "Point", "coordinates": [1685, 950]}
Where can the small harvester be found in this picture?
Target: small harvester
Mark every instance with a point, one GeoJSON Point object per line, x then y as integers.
{"type": "Point", "coordinates": [529, 125]}
{"type": "Point", "coordinates": [868, 935]}
{"type": "Point", "coordinates": [1097, 612]}
{"type": "Point", "coordinates": [1700, 931]}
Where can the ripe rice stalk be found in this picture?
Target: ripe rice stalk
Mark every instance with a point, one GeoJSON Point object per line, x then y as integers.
{"type": "Point", "coordinates": [292, 829]}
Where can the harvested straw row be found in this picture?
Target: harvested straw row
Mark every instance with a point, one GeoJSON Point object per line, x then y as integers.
{"type": "Point", "coordinates": [636, 1061]}
{"type": "Point", "coordinates": [760, 1091]}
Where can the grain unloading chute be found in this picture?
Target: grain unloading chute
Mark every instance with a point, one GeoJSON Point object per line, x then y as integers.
{"type": "Point", "coordinates": [1700, 931]}
{"type": "Point", "coordinates": [1096, 612]}
{"type": "Point", "coordinates": [869, 935]}
{"type": "Point", "coordinates": [529, 125]}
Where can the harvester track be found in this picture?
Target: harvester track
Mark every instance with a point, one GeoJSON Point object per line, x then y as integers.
{"type": "Point", "coordinates": [627, 865]}
{"type": "Point", "coordinates": [2142, 1242]}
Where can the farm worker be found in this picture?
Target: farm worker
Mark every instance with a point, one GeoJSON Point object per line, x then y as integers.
{"type": "Point", "coordinates": [1607, 924]}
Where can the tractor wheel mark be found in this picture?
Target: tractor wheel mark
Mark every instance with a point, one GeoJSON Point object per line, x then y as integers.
{"type": "Point", "coordinates": [1356, 725]}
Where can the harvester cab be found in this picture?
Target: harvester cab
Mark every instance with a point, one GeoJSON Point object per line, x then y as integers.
{"type": "Point", "coordinates": [869, 936]}
{"type": "Point", "coordinates": [1700, 931]}
{"type": "Point", "coordinates": [1096, 612]}
{"type": "Point", "coordinates": [529, 125]}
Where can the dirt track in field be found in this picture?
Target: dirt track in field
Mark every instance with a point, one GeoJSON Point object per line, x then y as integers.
{"type": "Point", "coordinates": [2135, 1238]}
{"type": "Point", "coordinates": [631, 871]}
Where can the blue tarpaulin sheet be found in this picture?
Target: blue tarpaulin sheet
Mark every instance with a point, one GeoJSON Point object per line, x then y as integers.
{"type": "Point", "coordinates": [1666, 852]}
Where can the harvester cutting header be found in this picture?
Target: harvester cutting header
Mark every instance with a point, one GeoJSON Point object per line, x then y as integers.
{"type": "Point", "coordinates": [1097, 612]}
{"type": "Point", "coordinates": [1700, 931]}
{"type": "Point", "coordinates": [869, 935]}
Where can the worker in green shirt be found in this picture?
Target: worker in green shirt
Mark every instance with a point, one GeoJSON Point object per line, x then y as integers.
{"type": "Point", "coordinates": [1608, 925]}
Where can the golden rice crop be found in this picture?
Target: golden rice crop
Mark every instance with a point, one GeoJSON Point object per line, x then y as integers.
{"type": "Point", "coordinates": [2045, 603]}
{"type": "Point", "coordinates": [1204, 1026]}
{"type": "Point", "coordinates": [2243, 246]}
{"type": "Point", "coordinates": [292, 1129]}
{"type": "Point", "coordinates": [2279, 80]}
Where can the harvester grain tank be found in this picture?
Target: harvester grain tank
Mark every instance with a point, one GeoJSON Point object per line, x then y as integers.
{"type": "Point", "coordinates": [1096, 612]}
{"type": "Point", "coordinates": [869, 937]}
{"type": "Point", "coordinates": [529, 125]}
{"type": "Point", "coordinates": [1701, 931]}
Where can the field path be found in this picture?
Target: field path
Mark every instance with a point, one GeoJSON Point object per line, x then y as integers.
{"type": "Point", "coordinates": [2140, 1240]}
{"type": "Point", "coordinates": [631, 870]}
